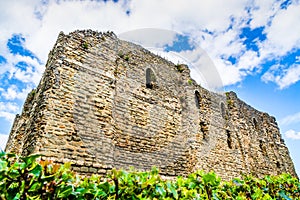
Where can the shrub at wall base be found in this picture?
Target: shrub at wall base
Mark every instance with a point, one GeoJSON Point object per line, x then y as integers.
{"type": "Point", "coordinates": [27, 178]}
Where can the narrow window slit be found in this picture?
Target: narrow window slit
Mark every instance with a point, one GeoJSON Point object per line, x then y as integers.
{"type": "Point", "coordinates": [150, 79]}
{"type": "Point", "coordinates": [255, 124]}
{"type": "Point", "coordinates": [197, 99]}
{"type": "Point", "coordinates": [223, 112]}
{"type": "Point", "coordinates": [229, 139]}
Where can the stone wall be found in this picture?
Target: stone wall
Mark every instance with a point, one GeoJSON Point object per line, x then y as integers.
{"type": "Point", "coordinates": [105, 103]}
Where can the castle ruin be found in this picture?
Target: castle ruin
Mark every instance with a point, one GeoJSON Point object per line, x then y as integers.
{"type": "Point", "coordinates": [105, 103]}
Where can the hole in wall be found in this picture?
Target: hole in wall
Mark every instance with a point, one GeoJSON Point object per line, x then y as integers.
{"type": "Point", "coordinates": [262, 147]}
{"type": "Point", "coordinates": [278, 165]}
{"type": "Point", "coordinates": [150, 79]}
{"type": "Point", "coordinates": [261, 144]}
{"type": "Point", "coordinates": [229, 139]}
{"type": "Point", "coordinates": [197, 99]}
{"type": "Point", "coordinates": [255, 124]}
{"type": "Point", "coordinates": [223, 112]}
{"type": "Point", "coordinates": [204, 130]}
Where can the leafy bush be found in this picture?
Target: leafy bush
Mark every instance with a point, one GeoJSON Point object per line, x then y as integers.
{"type": "Point", "coordinates": [26, 178]}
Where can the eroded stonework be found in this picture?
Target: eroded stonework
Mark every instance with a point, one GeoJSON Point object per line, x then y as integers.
{"type": "Point", "coordinates": [105, 103]}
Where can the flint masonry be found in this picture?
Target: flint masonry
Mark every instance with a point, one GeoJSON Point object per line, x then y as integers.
{"type": "Point", "coordinates": [105, 103]}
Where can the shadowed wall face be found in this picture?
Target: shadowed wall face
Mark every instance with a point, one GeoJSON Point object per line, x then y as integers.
{"type": "Point", "coordinates": [105, 103]}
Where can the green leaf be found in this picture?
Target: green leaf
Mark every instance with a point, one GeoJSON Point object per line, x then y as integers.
{"type": "Point", "coordinates": [3, 165]}
{"type": "Point", "coordinates": [211, 179]}
{"type": "Point", "coordinates": [36, 171]}
{"type": "Point", "coordinates": [18, 165]}
{"type": "Point", "coordinates": [257, 193]}
{"type": "Point", "coordinates": [101, 194]}
{"type": "Point", "coordinates": [35, 186]}
{"type": "Point", "coordinates": [283, 195]}
{"type": "Point", "coordinates": [65, 191]}
{"type": "Point", "coordinates": [191, 185]}
{"type": "Point", "coordinates": [160, 190]}
{"type": "Point", "coordinates": [80, 190]}
{"type": "Point", "coordinates": [267, 197]}
{"type": "Point", "coordinates": [13, 173]}
{"type": "Point", "coordinates": [2, 154]}
{"type": "Point", "coordinates": [30, 159]}
{"type": "Point", "coordinates": [215, 197]}
{"type": "Point", "coordinates": [17, 197]}
{"type": "Point", "coordinates": [172, 189]}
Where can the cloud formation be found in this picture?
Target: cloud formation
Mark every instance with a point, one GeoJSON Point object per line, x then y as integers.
{"type": "Point", "coordinates": [215, 25]}
{"type": "Point", "coordinates": [3, 140]}
{"type": "Point", "coordinates": [292, 134]}
{"type": "Point", "coordinates": [7, 110]}
{"type": "Point", "coordinates": [240, 37]}
{"type": "Point", "coordinates": [283, 33]}
{"type": "Point", "coordinates": [283, 76]}
{"type": "Point", "coordinates": [291, 119]}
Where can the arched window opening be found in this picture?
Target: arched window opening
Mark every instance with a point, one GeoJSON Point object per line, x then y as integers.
{"type": "Point", "coordinates": [255, 124]}
{"type": "Point", "coordinates": [223, 112]}
{"type": "Point", "coordinates": [229, 139]}
{"type": "Point", "coordinates": [150, 79]}
{"type": "Point", "coordinates": [197, 99]}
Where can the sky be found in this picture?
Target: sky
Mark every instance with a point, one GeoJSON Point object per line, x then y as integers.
{"type": "Point", "coordinates": [251, 47]}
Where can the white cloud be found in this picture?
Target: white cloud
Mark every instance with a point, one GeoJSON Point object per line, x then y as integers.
{"type": "Point", "coordinates": [18, 17]}
{"type": "Point", "coordinates": [8, 110]}
{"type": "Point", "coordinates": [283, 33]}
{"type": "Point", "coordinates": [31, 74]}
{"type": "Point", "coordinates": [249, 61]}
{"type": "Point", "coordinates": [149, 37]}
{"type": "Point", "coordinates": [262, 12]}
{"type": "Point", "coordinates": [12, 92]}
{"type": "Point", "coordinates": [283, 76]}
{"type": "Point", "coordinates": [291, 76]}
{"type": "Point", "coordinates": [290, 119]}
{"type": "Point", "coordinates": [215, 26]}
{"type": "Point", "coordinates": [185, 16]}
{"type": "Point", "coordinates": [182, 17]}
{"type": "Point", "coordinates": [8, 106]}
{"type": "Point", "coordinates": [7, 116]}
{"type": "Point", "coordinates": [68, 16]}
{"type": "Point", "coordinates": [203, 70]}
{"type": "Point", "coordinates": [271, 73]}
{"type": "Point", "coordinates": [292, 134]}
{"type": "Point", "coordinates": [3, 140]}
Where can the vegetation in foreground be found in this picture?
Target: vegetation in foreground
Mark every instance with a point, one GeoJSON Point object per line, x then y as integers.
{"type": "Point", "coordinates": [26, 178]}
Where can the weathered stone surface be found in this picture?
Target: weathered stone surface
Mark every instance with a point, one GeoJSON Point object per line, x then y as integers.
{"type": "Point", "coordinates": [103, 103]}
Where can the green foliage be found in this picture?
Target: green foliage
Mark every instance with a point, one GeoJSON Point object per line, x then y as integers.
{"type": "Point", "coordinates": [122, 55]}
{"type": "Point", "coordinates": [190, 81]}
{"type": "Point", "coordinates": [26, 178]}
{"type": "Point", "coordinates": [85, 45]}
{"type": "Point", "coordinates": [179, 67]}
{"type": "Point", "coordinates": [32, 93]}
{"type": "Point", "coordinates": [126, 58]}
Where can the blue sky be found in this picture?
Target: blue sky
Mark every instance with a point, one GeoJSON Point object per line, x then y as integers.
{"type": "Point", "coordinates": [252, 47]}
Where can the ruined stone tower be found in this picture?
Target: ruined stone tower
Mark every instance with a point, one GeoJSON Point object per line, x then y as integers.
{"type": "Point", "coordinates": [105, 103]}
